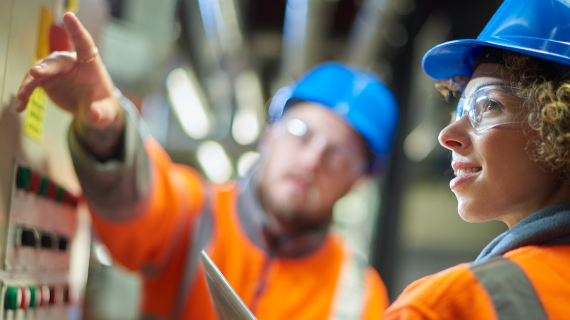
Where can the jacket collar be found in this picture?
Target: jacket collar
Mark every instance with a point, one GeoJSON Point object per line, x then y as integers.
{"type": "Point", "coordinates": [253, 219]}
{"type": "Point", "coordinates": [548, 226]}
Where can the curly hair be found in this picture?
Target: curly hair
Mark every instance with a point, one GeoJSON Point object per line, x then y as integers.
{"type": "Point", "coordinates": [546, 95]}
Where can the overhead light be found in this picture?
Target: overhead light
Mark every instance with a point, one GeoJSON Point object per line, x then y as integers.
{"type": "Point", "coordinates": [246, 161]}
{"type": "Point", "coordinates": [215, 162]}
{"type": "Point", "coordinates": [221, 23]}
{"type": "Point", "coordinates": [188, 103]}
{"type": "Point", "coordinates": [245, 127]}
{"type": "Point", "coordinates": [249, 118]}
{"type": "Point", "coordinates": [420, 142]}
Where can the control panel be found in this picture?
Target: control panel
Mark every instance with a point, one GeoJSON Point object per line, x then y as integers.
{"type": "Point", "coordinates": [43, 219]}
{"type": "Point", "coordinates": [44, 225]}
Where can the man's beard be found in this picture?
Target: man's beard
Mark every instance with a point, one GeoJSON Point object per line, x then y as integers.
{"type": "Point", "coordinates": [291, 215]}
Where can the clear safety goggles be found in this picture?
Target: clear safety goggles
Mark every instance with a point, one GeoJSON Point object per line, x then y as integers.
{"type": "Point", "coordinates": [336, 157]}
{"type": "Point", "coordinates": [490, 106]}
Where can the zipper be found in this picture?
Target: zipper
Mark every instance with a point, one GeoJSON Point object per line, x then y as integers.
{"type": "Point", "coordinates": [261, 284]}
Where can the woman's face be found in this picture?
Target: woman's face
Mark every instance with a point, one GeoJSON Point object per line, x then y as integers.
{"type": "Point", "coordinates": [495, 178]}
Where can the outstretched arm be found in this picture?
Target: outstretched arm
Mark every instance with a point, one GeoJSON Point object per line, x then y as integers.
{"type": "Point", "coordinates": [80, 84]}
{"type": "Point", "coordinates": [142, 204]}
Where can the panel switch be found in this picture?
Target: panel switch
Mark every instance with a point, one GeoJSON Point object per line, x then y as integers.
{"type": "Point", "coordinates": [35, 297]}
{"type": "Point", "coordinates": [28, 238]}
{"type": "Point", "coordinates": [13, 298]}
{"type": "Point", "coordinates": [47, 241]}
{"type": "Point", "coordinates": [26, 298]}
{"type": "Point", "coordinates": [62, 243]}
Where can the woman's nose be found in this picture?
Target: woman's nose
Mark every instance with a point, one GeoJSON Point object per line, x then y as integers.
{"type": "Point", "coordinates": [454, 137]}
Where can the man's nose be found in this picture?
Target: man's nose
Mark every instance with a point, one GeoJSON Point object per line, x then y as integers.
{"type": "Point", "coordinates": [311, 156]}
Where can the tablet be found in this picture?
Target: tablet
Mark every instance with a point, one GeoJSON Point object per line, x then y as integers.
{"type": "Point", "coordinates": [227, 304]}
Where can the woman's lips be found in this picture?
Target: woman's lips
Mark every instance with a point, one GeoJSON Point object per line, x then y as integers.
{"type": "Point", "coordinates": [461, 179]}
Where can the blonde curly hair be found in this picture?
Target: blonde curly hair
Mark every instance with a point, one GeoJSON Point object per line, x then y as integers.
{"type": "Point", "coordinates": [545, 91]}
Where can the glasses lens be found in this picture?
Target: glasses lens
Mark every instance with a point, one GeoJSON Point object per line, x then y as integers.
{"type": "Point", "coordinates": [296, 127]}
{"type": "Point", "coordinates": [339, 159]}
{"type": "Point", "coordinates": [336, 158]}
{"type": "Point", "coordinates": [460, 108]}
{"type": "Point", "coordinates": [492, 106]}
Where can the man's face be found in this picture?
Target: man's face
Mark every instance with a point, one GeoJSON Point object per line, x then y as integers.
{"type": "Point", "coordinates": [310, 158]}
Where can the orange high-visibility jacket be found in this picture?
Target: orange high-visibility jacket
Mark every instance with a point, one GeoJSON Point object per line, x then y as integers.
{"type": "Point", "coordinates": [160, 225]}
{"type": "Point", "coordinates": [528, 282]}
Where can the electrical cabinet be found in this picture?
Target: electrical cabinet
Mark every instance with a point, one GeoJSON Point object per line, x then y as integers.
{"type": "Point", "coordinates": [44, 227]}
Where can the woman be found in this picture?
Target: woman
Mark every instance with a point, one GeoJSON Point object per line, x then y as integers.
{"type": "Point", "coordinates": [510, 142]}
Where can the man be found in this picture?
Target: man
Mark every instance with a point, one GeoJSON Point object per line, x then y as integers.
{"type": "Point", "coordinates": [269, 233]}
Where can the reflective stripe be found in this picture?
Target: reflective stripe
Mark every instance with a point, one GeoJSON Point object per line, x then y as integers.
{"type": "Point", "coordinates": [184, 220]}
{"type": "Point", "coordinates": [511, 291]}
{"type": "Point", "coordinates": [198, 240]}
{"type": "Point", "coordinates": [348, 299]}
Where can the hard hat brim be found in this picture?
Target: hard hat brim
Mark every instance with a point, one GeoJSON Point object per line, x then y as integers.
{"type": "Point", "coordinates": [457, 57]}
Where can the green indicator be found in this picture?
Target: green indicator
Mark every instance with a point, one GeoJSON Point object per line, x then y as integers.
{"type": "Point", "coordinates": [60, 194]}
{"type": "Point", "coordinates": [23, 178]}
{"type": "Point", "coordinates": [33, 293]}
{"type": "Point", "coordinates": [44, 187]}
{"type": "Point", "coordinates": [11, 300]}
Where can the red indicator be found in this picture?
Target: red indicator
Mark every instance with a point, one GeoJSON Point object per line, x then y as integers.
{"type": "Point", "coordinates": [36, 183]}
{"type": "Point", "coordinates": [45, 296]}
{"type": "Point", "coordinates": [26, 298]}
{"type": "Point", "coordinates": [69, 199]}
{"type": "Point", "coordinates": [58, 38]}
{"type": "Point", "coordinates": [66, 298]}
{"type": "Point", "coordinates": [51, 190]}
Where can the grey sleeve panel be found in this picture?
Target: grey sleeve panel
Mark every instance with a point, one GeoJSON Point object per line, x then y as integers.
{"type": "Point", "coordinates": [118, 190]}
{"type": "Point", "coordinates": [511, 291]}
{"type": "Point", "coordinates": [198, 240]}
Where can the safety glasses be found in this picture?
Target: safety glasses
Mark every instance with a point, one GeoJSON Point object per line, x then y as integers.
{"type": "Point", "coordinates": [337, 158]}
{"type": "Point", "coordinates": [491, 106]}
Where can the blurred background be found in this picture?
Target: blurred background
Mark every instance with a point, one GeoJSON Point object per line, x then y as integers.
{"type": "Point", "coordinates": [202, 73]}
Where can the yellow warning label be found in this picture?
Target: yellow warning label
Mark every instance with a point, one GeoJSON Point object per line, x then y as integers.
{"type": "Point", "coordinates": [46, 19]}
{"type": "Point", "coordinates": [36, 115]}
{"type": "Point", "coordinates": [72, 5]}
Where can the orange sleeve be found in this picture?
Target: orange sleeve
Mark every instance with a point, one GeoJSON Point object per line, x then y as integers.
{"type": "Point", "coordinates": [408, 314]}
{"type": "Point", "coordinates": [451, 294]}
{"type": "Point", "coordinates": [376, 296]}
{"type": "Point", "coordinates": [175, 199]}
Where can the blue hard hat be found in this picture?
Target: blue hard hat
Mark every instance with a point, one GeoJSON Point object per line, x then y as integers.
{"type": "Point", "coordinates": [539, 28]}
{"type": "Point", "coordinates": [357, 96]}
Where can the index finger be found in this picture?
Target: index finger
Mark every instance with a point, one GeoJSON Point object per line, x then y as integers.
{"type": "Point", "coordinates": [82, 40]}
